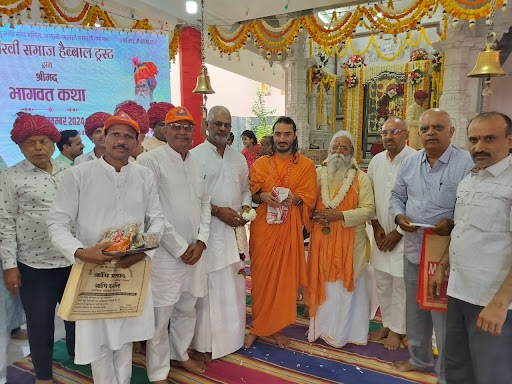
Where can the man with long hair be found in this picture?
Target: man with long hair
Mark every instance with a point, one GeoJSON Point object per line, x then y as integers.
{"type": "Point", "coordinates": [284, 185]}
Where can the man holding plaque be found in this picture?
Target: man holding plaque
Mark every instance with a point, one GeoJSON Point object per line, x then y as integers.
{"type": "Point", "coordinates": [424, 194]}
{"type": "Point", "coordinates": [479, 325]}
{"type": "Point", "coordinates": [178, 277]}
{"type": "Point", "coordinates": [96, 196]}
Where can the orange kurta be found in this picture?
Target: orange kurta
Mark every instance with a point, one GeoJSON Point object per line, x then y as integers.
{"type": "Point", "coordinates": [331, 257]}
{"type": "Point", "coordinates": [278, 263]}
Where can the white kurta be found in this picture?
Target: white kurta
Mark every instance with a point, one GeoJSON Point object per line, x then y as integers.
{"type": "Point", "coordinates": [95, 197]}
{"type": "Point", "coordinates": [228, 185]}
{"type": "Point", "coordinates": [382, 173]}
{"type": "Point", "coordinates": [186, 205]}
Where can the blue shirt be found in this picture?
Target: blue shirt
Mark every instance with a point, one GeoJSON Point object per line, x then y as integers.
{"type": "Point", "coordinates": [427, 194]}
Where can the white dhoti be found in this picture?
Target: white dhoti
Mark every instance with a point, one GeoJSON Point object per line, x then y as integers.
{"type": "Point", "coordinates": [93, 336]}
{"type": "Point", "coordinates": [113, 367]}
{"type": "Point", "coordinates": [221, 315]}
{"type": "Point", "coordinates": [344, 317]}
{"type": "Point", "coordinates": [391, 290]}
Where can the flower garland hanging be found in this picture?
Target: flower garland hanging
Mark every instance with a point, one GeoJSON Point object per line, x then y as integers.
{"type": "Point", "coordinates": [416, 76]}
{"type": "Point", "coordinates": [351, 81]}
{"type": "Point", "coordinates": [354, 61]}
{"type": "Point", "coordinates": [419, 54]}
{"type": "Point", "coordinates": [342, 192]}
{"type": "Point", "coordinates": [437, 61]}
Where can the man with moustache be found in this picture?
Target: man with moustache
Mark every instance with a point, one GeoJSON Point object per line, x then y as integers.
{"type": "Point", "coordinates": [424, 193]}
{"type": "Point", "coordinates": [156, 114]}
{"type": "Point", "coordinates": [220, 327]}
{"type": "Point", "coordinates": [278, 262]}
{"type": "Point", "coordinates": [337, 292]}
{"type": "Point", "coordinates": [70, 146]}
{"type": "Point", "coordinates": [266, 146]}
{"type": "Point", "coordinates": [144, 75]}
{"type": "Point", "coordinates": [100, 195]}
{"type": "Point", "coordinates": [387, 251]}
{"type": "Point", "coordinates": [178, 274]}
{"type": "Point", "coordinates": [139, 114]}
{"type": "Point", "coordinates": [94, 130]}
{"type": "Point", "coordinates": [479, 324]}
{"type": "Point", "coordinates": [32, 267]}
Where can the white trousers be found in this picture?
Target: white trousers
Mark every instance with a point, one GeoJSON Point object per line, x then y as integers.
{"type": "Point", "coordinates": [4, 343]}
{"type": "Point", "coordinates": [158, 349]}
{"type": "Point", "coordinates": [183, 324]}
{"type": "Point", "coordinates": [391, 290]}
{"type": "Point", "coordinates": [113, 367]}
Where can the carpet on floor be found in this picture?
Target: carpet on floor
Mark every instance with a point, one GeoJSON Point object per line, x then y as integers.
{"type": "Point", "coordinates": [264, 363]}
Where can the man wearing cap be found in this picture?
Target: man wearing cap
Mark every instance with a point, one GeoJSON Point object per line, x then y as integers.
{"type": "Point", "coordinates": [156, 114]}
{"type": "Point", "coordinates": [94, 130]}
{"type": "Point", "coordinates": [413, 113]}
{"type": "Point", "coordinates": [70, 146]}
{"type": "Point", "coordinates": [96, 196]}
{"type": "Point", "coordinates": [32, 267]}
{"type": "Point", "coordinates": [178, 277]}
{"type": "Point", "coordinates": [139, 114]}
{"type": "Point", "coordinates": [227, 177]}
{"type": "Point", "coordinates": [144, 75]}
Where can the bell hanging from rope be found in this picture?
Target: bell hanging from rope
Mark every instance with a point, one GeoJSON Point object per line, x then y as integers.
{"type": "Point", "coordinates": [488, 61]}
{"type": "Point", "coordinates": [203, 85]}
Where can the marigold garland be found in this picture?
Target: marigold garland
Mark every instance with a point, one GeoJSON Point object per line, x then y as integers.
{"type": "Point", "coordinates": [13, 11]}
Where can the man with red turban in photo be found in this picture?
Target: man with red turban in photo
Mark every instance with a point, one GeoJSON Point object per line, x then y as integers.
{"type": "Point", "coordinates": [413, 113]}
{"type": "Point", "coordinates": [94, 130]}
{"type": "Point", "coordinates": [156, 114]}
{"type": "Point", "coordinates": [139, 114]}
{"type": "Point", "coordinates": [32, 267]}
{"type": "Point", "coordinates": [144, 75]}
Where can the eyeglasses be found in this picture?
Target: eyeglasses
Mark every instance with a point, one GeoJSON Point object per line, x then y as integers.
{"type": "Point", "coordinates": [178, 127]}
{"type": "Point", "coordinates": [437, 128]}
{"type": "Point", "coordinates": [342, 147]}
{"type": "Point", "coordinates": [143, 87]}
{"type": "Point", "coordinates": [219, 124]}
{"type": "Point", "coordinates": [391, 132]}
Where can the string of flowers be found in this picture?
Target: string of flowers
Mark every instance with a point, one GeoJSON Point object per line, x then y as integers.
{"type": "Point", "coordinates": [416, 76]}
{"type": "Point", "coordinates": [15, 10]}
{"type": "Point", "coordinates": [359, 123]}
{"type": "Point", "coordinates": [351, 81]}
{"type": "Point", "coordinates": [174, 44]}
{"type": "Point", "coordinates": [419, 54]}
{"type": "Point", "coordinates": [462, 13]}
{"type": "Point", "coordinates": [354, 61]}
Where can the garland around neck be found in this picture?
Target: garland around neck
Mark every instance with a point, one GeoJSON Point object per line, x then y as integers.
{"type": "Point", "coordinates": [342, 192]}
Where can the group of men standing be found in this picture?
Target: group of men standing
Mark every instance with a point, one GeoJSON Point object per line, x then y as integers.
{"type": "Point", "coordinates": [53, 215]}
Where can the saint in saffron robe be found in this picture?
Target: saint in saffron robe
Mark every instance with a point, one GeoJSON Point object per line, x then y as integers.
{"type": "Point", "coordinates": [278, 263]}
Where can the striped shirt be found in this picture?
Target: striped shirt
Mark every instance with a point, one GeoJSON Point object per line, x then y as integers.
{"type": "Point", "coordinates": [426, 194]}
{"type": "Point", "coordinates": [481, 245]}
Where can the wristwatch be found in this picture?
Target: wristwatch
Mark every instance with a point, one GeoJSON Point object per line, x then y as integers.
{"type": "Point", "coordinates": [299, 202]}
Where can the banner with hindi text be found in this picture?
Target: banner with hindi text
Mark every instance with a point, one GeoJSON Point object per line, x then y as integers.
{"type": "Point", "coordinates": [67, 73]}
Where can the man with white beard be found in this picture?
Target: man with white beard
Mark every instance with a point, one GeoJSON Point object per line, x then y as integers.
{"type": "Point", "coordinates": [338, 293]}
{"type": "Point", "coordinates": [144, 76]}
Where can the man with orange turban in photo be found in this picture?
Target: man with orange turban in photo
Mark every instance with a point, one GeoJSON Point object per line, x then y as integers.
{"type": "Point", "coordinates": [413, 113]}
{"type": "Point", "coordinates": [144, 75]}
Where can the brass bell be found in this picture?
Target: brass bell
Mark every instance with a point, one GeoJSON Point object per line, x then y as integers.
{"type": "Point", "coordinates": [488, 61]}
{"type": "Point", "coordinates": [203, 85]}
